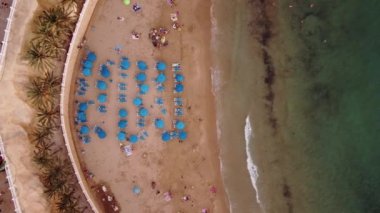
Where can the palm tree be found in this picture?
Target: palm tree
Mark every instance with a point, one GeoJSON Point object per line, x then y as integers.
{"type": "Point", "coordinates": [53, 46]}
{"type": "Point", "coordinates": [57, 20]}
{"type": "Point", "coordinates": [42, 133]}
{"type": "Point", "coordinates": [68, 202]}
{"type": "Point", "coordinates": [55, 178]}
{"type": "Point", "coordinates": [38, 57]}
{"type": "Point", "coordinates": [48, 114]}
{"type": "Point", "coordinates": [42, 158]}
{"type": "Point", "coordinates": [43, 90]}
{"type": "Point", "coordinates": [71, 5]}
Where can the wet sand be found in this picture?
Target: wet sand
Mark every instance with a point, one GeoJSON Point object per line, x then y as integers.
{"type": "Point", "coordinates": [189, 168]}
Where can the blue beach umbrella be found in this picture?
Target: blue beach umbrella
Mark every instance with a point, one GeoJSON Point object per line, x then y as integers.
{"type": "Point", "coordinates": [137, 101]}
{"type": "Point", "coordinates": [84, 130]}
{"type": "Point", "coordinates": [141, 77]}
{"type": "Point", "coordinates": [179, 88]}
{"type": "Point", "coordinates": [133, 138]}
{"type": "Point", "coordinates": [88, 64]}
{"type": "Point", "coordinates": [124, 63]}
{"type": "Point", "coordinates": [122, 124]}
{"type": "Point", "coordinates": [161, 78]}
{"type": "Point", "coordinates": [82, 117]}
{"type": "Point", "coordinates": [142, 65]}
{"type": "Point", "coordinates": [123, 113]}
{"type": "Point", "coordinates": [86, 72]}
{"type": "Point", "coordinates": [105, 72]}
{"type": "Point", "coordinates": [160, 66]}
{"type": "Point", "coordinates": [165, 136]}
{"type": "Point", "coordinates": [102, 85]}
{"type": "Point", "coordinates": [182, 135]}
{"type": "Point", "coordinates": [91, 56]}
{"type": "Point", "coordinates": [159, 123]}
{"type": "Point", "coordinates": [143, 112]}
{"type": "Point", "coordinates": [83, 106]}
{"type": "Point", "coordinates": [102, 98]}
{"type": "Point", "coordinates": [179, 77]}
{"type": "Point", "coordinates": [122, 136]}
{"type": "Point", "coordinates": [144, 88]}
{"type": "Point", "coordinates": [180, 125]}
{"type": "Point", "coordinates": [100, 132]}
{"type": "Point", "coordinates": [136, 190]}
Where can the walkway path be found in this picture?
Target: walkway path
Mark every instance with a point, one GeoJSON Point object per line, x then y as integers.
{"type": "Point", "coordinates": [15, 113]}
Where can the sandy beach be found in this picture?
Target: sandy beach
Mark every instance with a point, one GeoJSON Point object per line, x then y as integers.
{"type": "Point", "coordinates": [190, 168]}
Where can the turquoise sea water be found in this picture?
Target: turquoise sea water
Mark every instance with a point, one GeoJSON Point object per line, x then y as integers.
{"type": "Point", "coordinates": [322, 62]}
{"type": "Point", "coordinates": [333, 103]}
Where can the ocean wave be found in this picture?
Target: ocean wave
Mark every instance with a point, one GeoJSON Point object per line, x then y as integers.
{"type": "Point", "coordinates": [252, 168]}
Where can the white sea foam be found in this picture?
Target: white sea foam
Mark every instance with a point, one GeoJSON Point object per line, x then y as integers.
{"type": "Point", "coordinates": [252, 168]}
{"type": "Point", "coordinates": [215, 69]}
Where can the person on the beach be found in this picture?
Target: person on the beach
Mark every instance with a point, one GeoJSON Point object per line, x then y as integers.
{"type": "Point", "coordinates": [135, 35]}
{"type": "Point", "coordinates": [172, 3]}
{"type": "Point", "coordinates": [120, 18]}
{"type": "Point", "coordinates": [136, 7]}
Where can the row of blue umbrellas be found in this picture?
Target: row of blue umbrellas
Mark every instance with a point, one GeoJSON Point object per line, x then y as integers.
{"type": "Point", "coordinates": [122, 136]}
{"type": "Point", "coordinates": [142, 65]}
{"type": "Point", "coordinates": [88, 64]}
{"type": "Point", "coordinates": [167, 136]}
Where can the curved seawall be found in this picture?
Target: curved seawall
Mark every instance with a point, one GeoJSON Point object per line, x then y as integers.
{"type": "Point", "coordinates": [71, 59]}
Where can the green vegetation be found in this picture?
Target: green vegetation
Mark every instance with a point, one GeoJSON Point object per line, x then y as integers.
{"type": "Point", "coordinates": [52, 32]}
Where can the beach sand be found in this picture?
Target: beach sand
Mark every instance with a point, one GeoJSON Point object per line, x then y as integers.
{"type": "Point", "coordinates": [15, 114]}
{"type": "Point", "coordinates": [188, 168]}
